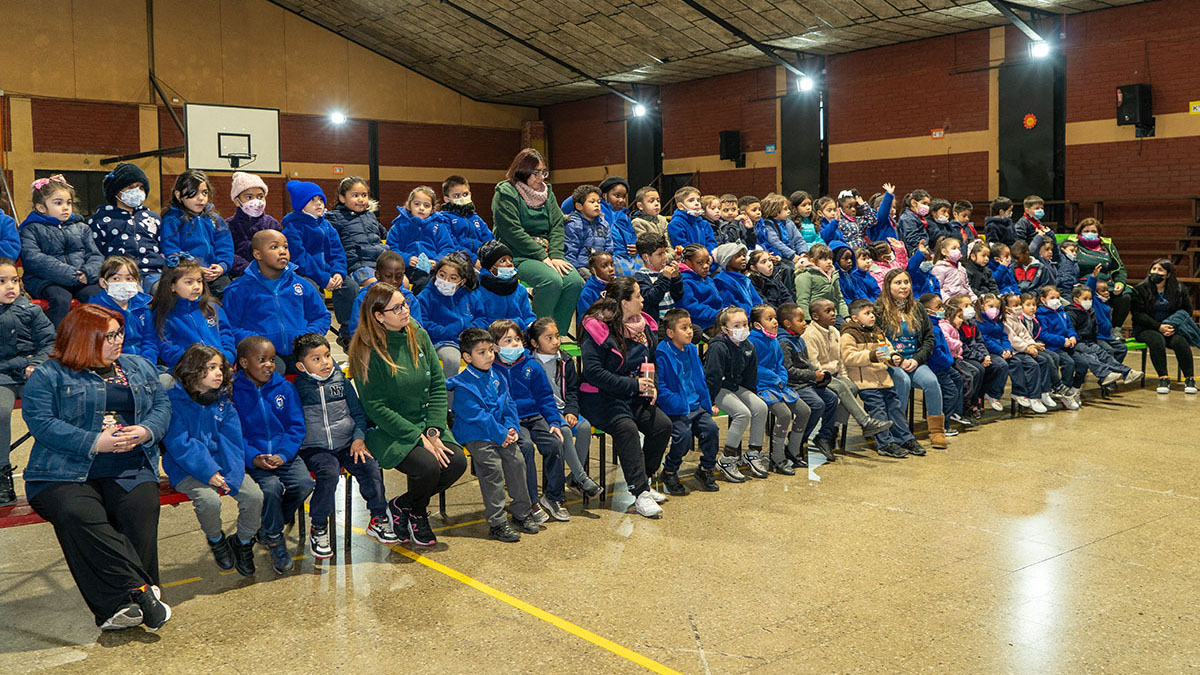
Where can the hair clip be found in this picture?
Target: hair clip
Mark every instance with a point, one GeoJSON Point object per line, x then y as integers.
{"type": "Point", "coordinates": [174, 258]}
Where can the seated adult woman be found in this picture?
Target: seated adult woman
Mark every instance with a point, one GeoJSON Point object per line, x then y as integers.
{"type": "Point", "coordinates": [617, 339]}
{"type": "Point", "coordinates": [907, 325]}
{"type": "Point", "coordinates": [403, 391]}
{"type": "Point", "coordinates": [1095, 251]}
{"type": "Point", "coordinates": [529, 221]}
{"type": "Point", "coordinates": [1160, 305]}
{"type": "Point", "coordinates": [96, 416]}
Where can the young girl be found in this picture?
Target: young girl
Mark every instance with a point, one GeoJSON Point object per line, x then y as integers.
{"type": "Point", "coordinates": [701, 298]}
{"type": "Point", "coordinates": [358, 229]}
{"type": "Point", "coordinates": [121, 284]}
{"type": "Point", "coordinates": [1060, 365]}
{"type": "Point", "coordinates": [124, 226]}
{"type": "Point", "coordinates": [827, 210]}
{"type": "Point", "coordinates": [731, 368]}
{"type": "Point", "coordinates": [950, 320]}
{"type": "Point", "coordinates": [710, 205]}
{"type": "Point", "coordinates": [950, 274]}
{"type": "Point", "coordinates": [855, 218]}
{"type": "Point", "coordinates": [868, 357]}
{"type": "Point", "coordinates": [941, 362]}
{"type": "Point", "coordinates": [762, 275]}
{"type": "Point", "coordinates": [1022, 370]}
{"type": "Point", "coordinates": [185, 313]}
{"type": "Point", "coordinates": [603, 270]}
{"type": "Point", "coordinates": [544, 339]}
{"type": "Point", "coordinates": [802, 216]}
{"type": "Point", "coordinates": [907, 326]}
{"type": "Point", "coordinates": [820, 281]}
{"type": "Point", "coordinates": [783, 238]}
{"type": "Point", "coordinates": [853, 273]}
{"type": "Point", "coordinates": [420, 236]}
{"type": "Point", "coordinates": [445, 309]}
{"type": "Point", "coordinates": [205, 456]}
{"type": "Point", "coordinates": [1000, 265]}
{"type": "Point", "coordinates": [991, 370]}
{"type": "Point", "coordinates": [885, 257]}
{"type": "Point", "coordinates": [920, 270]}
{"type": "Point", "coordinates": [1060, 337]}
{"type": "Point", "coordinates": [979, 275]}
{"type": "Point", "coordinates": [58, 254]}
{"type": "Point", "coordinates": [914, 222]}
{"type": "Point", "coordinates": [500, 294]}
{"type": "Point", "coordinates": [193, 226]}
{"type": "Point", "coordinates": [731, 280]}
{"type": "Point", "coordinates": [249, 195]}
{"type": "Point", "coordinates": [1026, 350]}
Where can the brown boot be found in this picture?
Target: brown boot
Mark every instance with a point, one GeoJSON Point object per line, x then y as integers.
{"type": "Point", "coordinates": [937, 431]}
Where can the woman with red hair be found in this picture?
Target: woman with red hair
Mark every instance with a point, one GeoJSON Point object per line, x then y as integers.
{"type": "Point", "coordinates": [97, 416]}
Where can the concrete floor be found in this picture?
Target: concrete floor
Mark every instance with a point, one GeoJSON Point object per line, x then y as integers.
{"type": "Point", "coordinates": [1063, 543]}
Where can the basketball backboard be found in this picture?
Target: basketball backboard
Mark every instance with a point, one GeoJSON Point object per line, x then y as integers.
{"type": "Point", "coordinates": [231, 138]}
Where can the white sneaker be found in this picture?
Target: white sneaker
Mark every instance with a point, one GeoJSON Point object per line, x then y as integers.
{"type": "Point", "coordinates": [1189, 385]}
{"type": "Point", "coordinates": [1110, 378]}
{"type": "Point", "coordinates": [1073, 392]}
{"type": "Point", "coordinates": [1133, 376]}
{"type": "Point", "coordinates": [1023, 401]}
{"type": "Point", "coordinates": [658, 497]}
{"type": "Point", "coordinates": [1069, 402]}
{"type": "Point", "coordinates": [994, 403]}
{"type": "Point", "coordinates": [1048, 401]}
{"type": "Point", "coordinates": [646, 506]}
{"type": "Point", "coordinates": [1037, 406]}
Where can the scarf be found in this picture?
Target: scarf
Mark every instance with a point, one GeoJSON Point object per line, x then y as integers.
{"type": "Point", "coordinates": [497, 285]}
{"type": "Point", "coordinates": [1091, 245]}
{"type": "Point", "coordinates": [466, 211]}
{"type": "Point", "coordinates": [635, 328]}
{"type": "Point", "coordinates": [533, 198]}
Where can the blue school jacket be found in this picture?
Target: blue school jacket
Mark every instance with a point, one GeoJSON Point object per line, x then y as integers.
{"type": "Point", "coordinates": [271, 417]}
{"type": "Point", "coordinates": [203, 440]}
{"type": "Point", "coordinates": [941, 358]}
{"type": "Point", "coordinates": [883, 227]}
{"type": "Point", "coordinates": [701, 298]}
{"type": "Point", "coordinates": [280, 310]}
{"type": "Point", "coordinates": [582, 237]}
{"type": "Point", "coordinates": [140, 337]}
{"type": "Point", "coordinates": [783, 239]}
{"type": "Point", "coordinates": [922, 282]}
{"type": "Point", "coordinates": [592, 288]}
{"type": "Point", "coordinates": [682, 387]}
{"type": "Point", "coordinates": [772, 375]}
{"type": "Point", "coordinates": [10, 238]}
{"type": "Point", "coordinates": [315, 247]}
{"type": "Point", "coordinates": [484, 409]}
{"type": "Point", "coordinates": [913, 229]}
{"type": "Point", "coordinates": [467, 230]}
{"type": "Point", "coordinates": [994, 335]}
{"type": "Point", "coordinates": [205, 237]}
{"type": "Point", "coordinates": [736, 289]}
{"type": "Point", "coordinates": [360, 234]}
{"type": "Point", "coordinates": [131, 234]}
{"type": "Point", "coordinates": [530, 389]}
{"type": "Point", "coordinates": [501, 299]}
{"type": "Point", "coordinates": [1102, 311]}
{"type": "Point", "coordinates": [187, 325]}
{"type": "Point", "coordinates": [684, 229]}
{"type": "Point", "coordinates": [1056, 327]}
{"type": "Point", "coordinates": [855, 283]}
{"type": "Point", "coordinates": [51, 252]}
{"type": "Point", "coordinates": [444, 316]}
{"type": "Point", "coordinates": [410, 237]}
{"type": "Point", "coordinates": [1003, 274]}
{"type": "Point", "coordinates": [358, 301]}
{"type": "Point", "coordinates": [623, 236]}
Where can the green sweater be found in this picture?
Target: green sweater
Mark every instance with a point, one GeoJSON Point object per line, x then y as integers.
{"type": "Point", "coordinates": [405, 403]}
{"type": "Point", "coordinates": [516, 224]}
{"type": "Point", "coordinates": [1113, 269]}
{"type": "Point", "coordinates": [812, 284]}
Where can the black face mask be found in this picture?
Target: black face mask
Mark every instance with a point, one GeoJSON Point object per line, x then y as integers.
{"type": "Point", "coordinates": [1155, 278]}
{"type": "Point", "coordinates": [207, 398]}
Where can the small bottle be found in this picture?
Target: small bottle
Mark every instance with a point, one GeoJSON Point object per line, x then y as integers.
{"type": "Point", "coordinates": [882, 348]}
{"type": "Point", "coordinates": [647, 371]}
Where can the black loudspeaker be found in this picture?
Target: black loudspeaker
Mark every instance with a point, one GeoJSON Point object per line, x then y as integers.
{"type": "Point", "coordinates": [731, 144]}
{"type": "Point", "coordinates": [1133, 105]}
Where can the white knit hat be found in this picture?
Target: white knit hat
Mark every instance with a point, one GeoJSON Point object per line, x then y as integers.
{"type": "Point", "coordinates": [243, 181]}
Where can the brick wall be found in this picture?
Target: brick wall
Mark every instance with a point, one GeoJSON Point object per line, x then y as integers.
{"type": "Point", "coordinates": [313, 138]}
{"type": "Point", "coordinates": [1149, 168]}
{"type": "Point", "coordinates": [695, 112]}
{"type": "Point", "coordinates": [957, 176]}
{"type": "Point", "coordinates": [585, 133]}
{"type": "Point", "coordinates": [404, 144]}
{"type": "Point", "coordinates": [61, 125]}
{"type": "Point", "coordinates": [757, 182]}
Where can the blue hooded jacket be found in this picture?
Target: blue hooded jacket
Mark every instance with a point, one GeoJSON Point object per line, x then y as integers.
{"type": "Point", "coordinates": [484, 410]}
{"type": "Point", "coordinates": [1003, 274]}
{"type": "Point", "coordinates": [498, 298]}
{"type": "Point", "coordinates": [280, 310]}
{"type": "Point", "coordinates": [784, 239]}
{"type": "Point", "coordinates": [203, 440]}
{"type": "Point", "coordinates": [736, 289]}
{"type": "Point", "coordinates": [1056, 327]}
{"type": "Point", "coordinates": [444, 316]}
{"type": "Point", "coordinates": [682, 387]}
{"type": "Point", "coordinates": [701, 298]}
{"type": "Point", "coordinates": [623, 236]}
{"type": "Point", "coordinates": [1103, 312]}
{"type": "Point", "coordinates": [358, 301]}
{"type": "Point", "coordinates": [206, 237]}
{"type": "Point", "coordinates": [133, 234]}
{"type": "Point", "coordinates": [684, 229]}
{"type": "Point", "coordinates": [993, 333]}
{"type": "Point", "coordinates": [10, 238]}
{"type": "Point", "coordinates": [410, 237]}
{"type": "Point", "coordinates": [941, 358]}
{"type": "Point", "coordinates": [592, 288]}
{"type": "Point", "coordinates": [187, 325]}
{"type": "Point", "coordinates": [271, 417]}
{"type": "Point", "coordinates": [361, 236]}
{"type": "Point", "coordinates": [773, 384]}
{"type": "Point", "coordinates": [582, 237]}
{"type": "Point", "coordinates": [51, 252]}
{"type": "Point", "coordinates": [530, 389]}
{"type": "Point", "coordinates": [913, 229]}
{"type": "Point", "coordinates": [467, 229]}
{"type": "Point", "coordinates": [855, 283]}
{"type": "Point", "coordinates": [883, 227]}
{"type": "Point", "coordinates": [140, 337]}
{"type": "Point", "coordinates": [315, 247]}
{"type": "Point", "coordinates": [922, 282]}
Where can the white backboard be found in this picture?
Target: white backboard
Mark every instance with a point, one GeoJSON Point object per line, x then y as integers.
{"type": "Point", "coordinates": [232, 138]}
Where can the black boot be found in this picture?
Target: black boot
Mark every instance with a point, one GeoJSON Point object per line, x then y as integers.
{"type": "Point", "coordinates": [799, 460]}
{"type": "Point", "coordinates": [8, 494]}
{"type": "Point", "coordinates": [706, 479]}
{"type": "Point", "coordinates": [222, 552]}
{"type": "Point", "coordinates": [673, 485]}
{"type": "Point", "coordinates": [243, 556]}
{"type": "Point", "coordinates": [825, 445]}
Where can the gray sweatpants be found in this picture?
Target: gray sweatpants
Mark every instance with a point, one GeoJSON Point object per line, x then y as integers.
{"type": "Point", "coordinates": [848, 398]}
{"type": "Point", "coordinates": [793, 416]}
{"type": "Point", "coordinates": [745, 409]}
{"type": "Point", "coordinates": [8, 400]}
{"type": "Point", "coordinates": [498, 467]}
{"type": "Point", "coordinates": [207, 503]}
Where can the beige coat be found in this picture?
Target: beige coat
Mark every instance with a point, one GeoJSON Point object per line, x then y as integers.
{"type": "Point", "coordinates": [861, 359]}
{"type": "Point", "coordinates": [1018, 334]}
{"type": "Point", "coordinates": [824, 349]}
{"type": "Point", "coordinates": [657, 225]}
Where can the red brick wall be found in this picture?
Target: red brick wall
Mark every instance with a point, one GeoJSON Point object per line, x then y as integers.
{"type": "Point", "coordinates": [313, 138]}
{"type": "Point", "coordinates": [958, 176]}
{"type": "Point", "coordinates": [402, 144]}
{"type": "Point", "coordinates": [741, 182]}
{"type": "Point", "coordinates": [61, 125]}
{"type": "Point", "coordinates": [585, 133]}
{"type": "Point", "coordinates": [1150, 168]}
{"type": "Point", "coordinates": [694, 112]}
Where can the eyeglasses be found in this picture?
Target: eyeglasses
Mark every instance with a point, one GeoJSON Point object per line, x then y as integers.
{"type": "Point", "coordinates": [544, 173]}
{"type": "Point", "coordinates": [115, 337]}
{"type": "Point", "coordinates": [396, 310]}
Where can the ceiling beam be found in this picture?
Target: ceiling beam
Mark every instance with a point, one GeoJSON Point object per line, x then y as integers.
{"type": "Point", "coordinates": [1006, 10]}
{"type": "Point", "coordinates": [744, 37]}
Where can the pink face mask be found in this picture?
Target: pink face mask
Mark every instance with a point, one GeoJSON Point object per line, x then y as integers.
{"type": "Point", "coordinates": [991, 313]}
{"type": "Point", "coordinates": [955, 255]}
{"type": "Point", "coordinates": [922, 210]}
{"type": "Point", "coordinates": [254, 207]}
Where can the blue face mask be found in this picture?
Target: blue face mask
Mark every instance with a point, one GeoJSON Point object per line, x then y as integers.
{"type": "Point", "coordinates": [1089, 236]}
{"type": "Point", "coordinates": [1039, 214]}
{"type": "Point", "coordinates": [506, 273]}
{"type": "Point", "coordinates": [927, 265]}
{"type": "Point", "coordinates": [940, 314]}
{"type": "Point", "coordinates": [511, 354]}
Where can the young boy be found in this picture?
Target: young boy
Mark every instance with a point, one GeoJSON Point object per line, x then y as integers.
{"type": "Point", "coordinates": [541, 422]}
{"type": "Point", "coordinates": [272, 428]}
{"type": "Point", "coordinates": [820, 339]}
{"type": "Point", "coordinates": [999, 226]}
{"type": "Point", "coordinates": [683, 396]}
{"type": "Point", "coordinates": [1030, 225]}
{"type": "Point", "coordinates": [336, 427]}
{"type": "Point", "coordinates": [600, 264]}
{"type": "Point", "coordinates": [820, 281]}
{"type": "Point", "coordinates": [659, 278]}
{"type": "Point", "coordinates": [734, 227]}
{"type": "Point", "coordinates": [315, 245]}
{"type": "Point", "coordinates": [272, 300]}
{"type": "Point", "coordinates": [961, 226]}
{"type": "Point", "coordinates": [466, 227]}
{"type": "Point", "coordinates": [939, 220]}
{"type": "Point", "coordinates": [687, 224]}
{"type": "Point", "coordinates": [1030, 274]}
{"type": "Point", "coordinates": [500, 295]}
{"type": "Point", "coordinates": [1108, 336]}
{"type": "Point", "coordinates": [867, 353]}
{"type": "Point", "coordinates": [586, 229]}
{"type": "Point", "coordinates": [1088, 349]}
{"type": "Point", "coordinates": [389, 268]}
{"type": "Point", "coordinates": [485, 422]}
{"type": "Point", "coordinates": [648, 217]}
{"type": "Point", "coordinates": [735, 287]}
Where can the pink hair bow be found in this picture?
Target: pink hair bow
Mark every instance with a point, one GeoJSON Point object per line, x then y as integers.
{"type": "Point", "coordinates": [43, 182]}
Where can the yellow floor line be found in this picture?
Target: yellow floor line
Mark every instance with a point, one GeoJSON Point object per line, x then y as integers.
{"type": "Point", "coordinates": [182, 582]}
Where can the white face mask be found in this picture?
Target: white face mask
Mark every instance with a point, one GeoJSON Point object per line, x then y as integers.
{"type": "Point", "coordinates": [739, 335]}
{"type": "Point", "coordinates": [133, 197]}
{"type": "Point", "coordinates": [314, 376]}
{"type": "Point", "coordinates": [968, 313]}
{"type": "Point", "coordinates": [254, 207]}
{"type": "Point", "coordinates": [461, 201]}
{"type": "Point", "coordinates": [445, 287]}
{"type": "Point", "coordinates": [1086, 305]}
{"type": "Point", "coordinates": [546, 358]}
{"type": "Point", "coordinates": [123, 291]}
{"type": "Point", "coordinates": [1054, 303]}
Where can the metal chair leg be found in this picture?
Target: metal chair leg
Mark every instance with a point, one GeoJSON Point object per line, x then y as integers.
{"type": "Point", "coordinates": [603, 468]}
{"type": "Point", "coordinates": [347, 521]}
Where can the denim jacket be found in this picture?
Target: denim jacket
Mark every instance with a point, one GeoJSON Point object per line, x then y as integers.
{"type": "Point", "coordinates": [64, 410]}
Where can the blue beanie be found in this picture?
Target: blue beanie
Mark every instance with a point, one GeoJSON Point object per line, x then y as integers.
{"type": "Point", "coordinates": [301, 193]}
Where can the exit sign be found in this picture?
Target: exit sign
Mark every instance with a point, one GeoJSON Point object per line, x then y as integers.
{"type": "Point", "coordinates": [1195, 107]}
{"type": "Point", "coordinates": [937, 133]}
{"type": "Point", "coordinates": [338, 169]}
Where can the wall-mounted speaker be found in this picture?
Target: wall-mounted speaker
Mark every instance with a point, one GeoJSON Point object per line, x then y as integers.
{"type": "Point", "coordinates": [731, 144]}
{"type": "Point", "coordinates": [1133, 105]}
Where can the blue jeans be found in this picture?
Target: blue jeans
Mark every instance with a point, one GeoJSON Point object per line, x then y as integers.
{"type": "Point", "coordinates": [886, 404]}
{"type": "Point", "coordinates": [284, 490]}
{"type": "Point", "coordinates": [696, 424]}
{"type": "Point", "coordinates": [535, 432]}
{"type": "Point", "coordinates": [327, 466]}
{"type": "Point", "coordinates": [924, 379]}
{"type": "Point", "coordinates": [824, 404]}
{"type": "Point", "coordinates": [951, 382]}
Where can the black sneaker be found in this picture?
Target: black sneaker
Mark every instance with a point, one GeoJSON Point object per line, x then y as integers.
{"type": "Point", "coordinates": [419, 530]}
{"type": "Point", "coordinates": [800, 459]}
{"type": "Point", "coordinates": [825, 445]}
{"type": "Point", "coordinates": [243, 556]}
{"type": "Point", "coordinates": [399, 520]}
{"type": "Point", "coordinates": [784, 468]}
{"type": "Point", "coordinates": [155, 612]}
{"type": "Point", "coordinates": [673, 485]}
{"type": "Point", "coordinates": [318, 543]}
{"type": "Point", "coordinates": [892, 450]}
{"type": "Point", "coordinates": [590, 488]}
{"type": "Point", "coordinates": [222, 553]}
{"type": "Point", "coordinates": [504, 532]}
{"type": "Point", "coordinates": [913, 447]}
{"type": "Point", "coordinates": [8, 493]}
{"type": "Point", "coordinates": [127, 616]}
{"type": "Point", "coordinates": [706, 479]}
{"type": "Point", "coordinates": [959, 419]}
{"type": "Point", "coordinates": [874, 426]}
{"type": "Point", "coordinates": [281, 560]}
{"type": "Point", "coordinates": [528, 524]}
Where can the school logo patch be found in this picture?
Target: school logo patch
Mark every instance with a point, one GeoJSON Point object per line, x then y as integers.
{"type": "Point", "coordinates": [279, 401]}
{"type": "Point", "coordinates": [298, 289]}
{"type": "Point", "coordinates": [212, 321]}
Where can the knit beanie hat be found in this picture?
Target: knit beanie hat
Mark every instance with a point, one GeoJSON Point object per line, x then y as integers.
{"type": "Point", "coordinates": [491, 252]}
{"type": "Point", "coordinates": [726, 252]}
{"type": "Point", "coordinates": [301, 193]}
{"type": "Point", "coordinates": [122, 176]}
{"type": "Point", "coordinates": [611, 182]}
{"type": "Point", "coordinates": [243, 181]}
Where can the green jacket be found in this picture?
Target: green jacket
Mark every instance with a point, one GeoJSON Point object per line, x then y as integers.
{"type": "Point", "coordinates": [405, 403]}
{"type": "Point", "coordinates": [1113, 269]}
{"type": "Point", "coordinates": [516, 224]}
{"type": "Point", "coordinates": [812, 284]}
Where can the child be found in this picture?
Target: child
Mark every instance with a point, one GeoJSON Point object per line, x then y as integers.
{"type": "Point", "coordinates": [802, 212]}
{"type": "Point", "coordinates": [335, 428]}
{"type": "Point", "coordinates": [186, 313]}
{"type": "Point", "coordinates": [500, 294]}
{"type": "Point", "coordinates": [272, 300]}
{"type": "Point", "coordinates": [950, 274]}
{"type": "Point", "coordinates": [885, 215]}
{"type": "Point", "coordinates": [360, 234]}
{"type": "Point", "coordinates": [560, 370]}
{"type": "Point", "coordinates": [782, 236]}
{"type": "Point", "coordinates": [1059, 335]}
{"type": "Point", "coordinates": [939, 225]}
{"type": "Point", "coordinates": [731, 372]}
{"type": "Point", "coordinates": [1000, 265]}
{"type": "Point", "coordinates": [867, 354]}
{"type": "Point", "coordinates": [999, 226]}
{"type": "Point", "coordinates": [1024, 370]}
{"type": "Point", "coordinates": [586, 229]}
{"type": "Point", "coordinates": [827, 209]}
{"type": "Point", "coordinates": [885, 257]}
{"type": "Point", "coordinates": [731, 226]}
{"type": "Point", "coordinates": [979, 274]}
{"type": "Point", "coordinates": [1107, 335]}
{"type": "Point", "coordinates": [1031, 274]}
{"type": "Point", "coordinates": [122, 292]}
{"type": "Point", "coordinates": [942, 363]}
{"type": "Point", "coordinates": [735, 287]}
{"type": "Point", "coordinates": [466, 227]}
{"type": "Point", "coordinates": [540, 422]}
{"type": "Point", "coordinates": [1062, 365]}
{"type": "Point", "coordinates": [602, 272]}
{"type": "Point", "coordinates": [854, 274]}
{"type": "Point", "coordinates": [683, 396]}
{"type": "Point", "coordinates": [272, 428]}
{"type": "Point", "coordinates": [988, 368]}
{"type": "Point", "coordinates": [701, 297]}
{"type": "Point", "coordinates": [647, 217]}
{"type": "Point", "coordinates": [446, 308]}
{"type": "Point", "coordinates": [389, 268]}
{"type": "Point", "coordinates": [710, 208]}
{"type": "Point", "coordinates": [949, 321]}
{"type": "Point", "coordinates": [28, 339]}
{"type": "Point", "coordinates": [316, 248]}
{"type": "Point", "coordinates": [751, 207]}
{"type": "Point", "coordinates": [193, 226]}
{"type": "Point", "coordinates": [205, 454]}
{"type": "Point", "coordinates": [914, 222]}
{"type": "Point", "coordinates": [820, 281]}
{"type": "Point", "coordinates": [58, 255]}
{"type": "Point", "coordinates": [855, 216]}
{"type": "Point", "coordinates": [687, 224]}
{"type": "Point", "coordinates": [1067, 269]}
{"type": "Point", "coordinates": [124, 226]}
{"type": "Point", "coordinates": [615, 191]}
{"type": "Point", "coordinates": [762, 275]}
{"type": "Point", "coordinates": [1099, 359]}
{"type": "Point", "coordinates": [920, 270]}
{"type": "Point", "coordinates": [961, 227]}
{"type": "Point", "coordinates": [485, 422]}
{"type": "Point", "coordinates": [420, 236]}
{"type": "Point", "coordinates": [659, 279]}
{"type": "Point", "coordinates": [249, 195]}
{"type": "Point", "coordinates": [1030, 224]}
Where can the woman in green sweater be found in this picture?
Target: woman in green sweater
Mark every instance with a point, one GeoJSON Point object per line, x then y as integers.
{"type": "Point", "coordinates": [528, 220]}
{"type": "Point", "coordinates": [403, 391]}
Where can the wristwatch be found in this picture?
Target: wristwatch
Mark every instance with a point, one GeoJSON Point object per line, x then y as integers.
{"type": "Point", "coordinates": [433, 432]}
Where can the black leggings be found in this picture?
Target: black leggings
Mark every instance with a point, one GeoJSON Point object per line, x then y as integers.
{"type": "Point", "coordinates": [1157, 343]}
{"type": "Point", "coordinates": [640, 459]}
{"type": "Point", "coordinates": [427, 478]}
{"type": "Point", "coordinates": [1121, 304]}
{"type": "Point", "coordinates": [59, 300]}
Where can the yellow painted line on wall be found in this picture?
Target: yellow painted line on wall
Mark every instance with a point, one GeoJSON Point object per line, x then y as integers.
{"type": "Point", "coordinates": [912, 146]}
{"type": "Point", "coordinates": [1172, 125]}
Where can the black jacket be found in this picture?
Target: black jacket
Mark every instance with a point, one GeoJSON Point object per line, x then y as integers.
{"type": "Point", "coordinates": [1084, 322]}
{"type": "Point", "coordinates": [980, 278]}
{"type": "Point", "coordinates": [26, 338]}
{"type": "Point", "coordinates": [771, 289]}
{"type": "Point", "coordinates": [1144, 297]}
{"type": "Point", "coordinates": [655, 287]}
{"type": "Point", "coordinates": [609, 389]}
{"type": "Point", "coordinates": [795, 359]}
{"type": "Point", "coordinates": [998, 229]}
{"type": "Point", "coordinates": [734, 232]}
{"type": "Point", "coordinates": [729, 366]}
